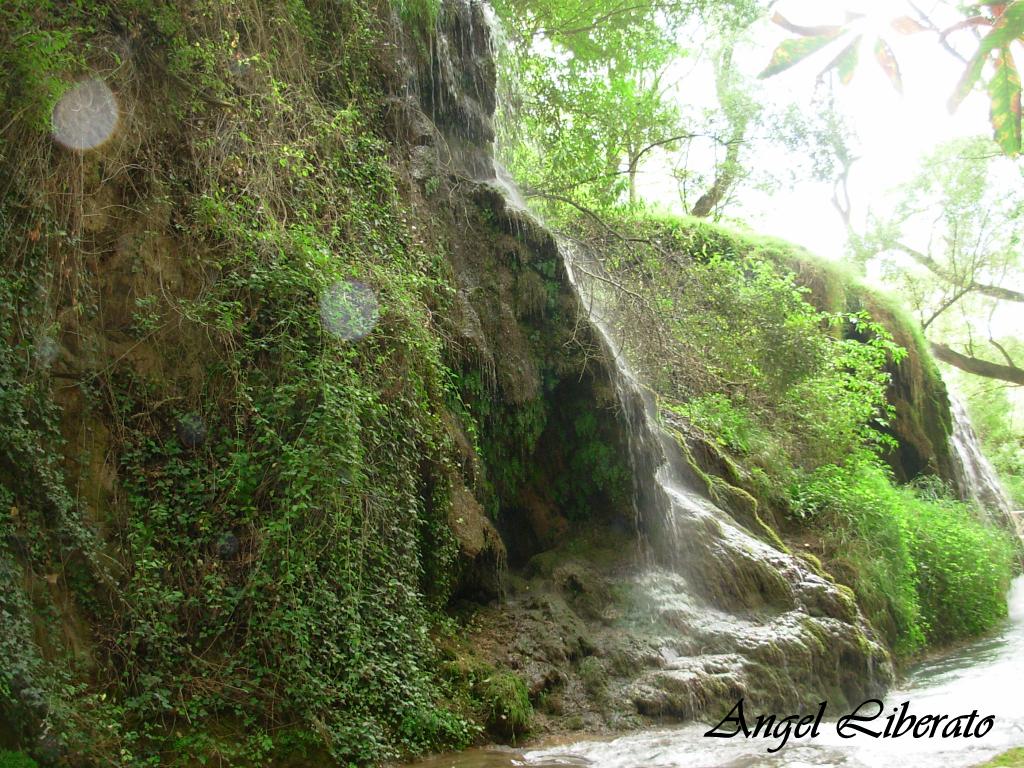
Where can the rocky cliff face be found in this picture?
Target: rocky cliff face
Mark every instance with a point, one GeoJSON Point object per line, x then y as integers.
{"type": "Point", "coordinates": [291, 377]}
{"type": "Point", "coordinates": [607, 630]}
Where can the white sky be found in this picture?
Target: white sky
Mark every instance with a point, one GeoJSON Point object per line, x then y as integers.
{"type": "Point", "coordinates": [893, 132]}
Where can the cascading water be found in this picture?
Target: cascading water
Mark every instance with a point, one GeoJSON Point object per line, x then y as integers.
{"type": "Point", "coordinates": [738, 615]}
{"type": "Point", "coordinates": [978, 676]}
{"type": "Point", "coordinates": [975, 477]}
{"type": "Point", "coordinates": [739, 608]}
{"type": "Point", "coordinates": [746, 618]}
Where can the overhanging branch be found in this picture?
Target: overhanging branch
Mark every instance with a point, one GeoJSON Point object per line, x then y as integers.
{"type": "Point", "coordinates": [977, 366]}
{"type": "Point", "coordinates": [992, 291]}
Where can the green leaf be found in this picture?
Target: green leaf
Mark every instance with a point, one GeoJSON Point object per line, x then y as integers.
{"type": "Point", "coordinates": [887, 60]}
{"type": "Point", "coordinates": [1005, 93]}
{"type": "Point", "coordinates": [791, 52]}
{"type": "Point", "coordinates": [845, 63]}
{"type": "Point", "coordinates": [1008, 27]}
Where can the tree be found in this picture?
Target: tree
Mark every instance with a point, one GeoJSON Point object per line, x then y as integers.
{"type": "Point", "coordinates": [590, 96]}
{"type": "Point", "coordinates": [952, 246]}
{"type": "Point", "coordinates": [991, 62]}
{"type": "Point", "coordinates": [739, 109]}
{"type": "Point", "coordinates": [821, 141]}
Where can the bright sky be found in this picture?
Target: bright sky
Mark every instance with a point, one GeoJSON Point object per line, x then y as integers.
{"type": "Point", "coordinates": [894, 131]}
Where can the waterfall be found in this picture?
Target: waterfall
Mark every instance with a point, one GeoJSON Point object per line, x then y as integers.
{"type": "Point", "coordinates": [975, 478]}
{"type": "Point", "coordinates": [683, 529]}
{"type": "Point", "coordinates": [729, 605]}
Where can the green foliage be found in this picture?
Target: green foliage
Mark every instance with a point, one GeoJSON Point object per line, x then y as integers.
{"type": "Point", "coordinates": [505, 696]}
{"type": "Point", "coordinates": [36, 58]}
{"type": "Point", "coordinates": [922, 565]}
{"type": "Point", "coordinates": [273, 560]}
{"type": "Point", "coordinates": [595, 469]}
{"type": "Point", "coordinates": [420, 13]}
{"type": "Point", "coordinates": [731, 341]}
{"type": "Point", "coordinates": [796, 396]}
{"type": "Point", "coordinates": [1006, 27]}
{"type": "Point", "coordinates": [727, 424]}
{"type": "Point", "coordinates": [860, 516]}
{"type": "Point", "coordinates": [963, 569]}
{"type": "Point", "coordinates": [589, 97]}
{"type": "Point", "coordinates": [16, 760]}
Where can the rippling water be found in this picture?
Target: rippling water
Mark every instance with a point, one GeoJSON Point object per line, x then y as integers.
{"type": "Point", "coordinates": [987, 675]}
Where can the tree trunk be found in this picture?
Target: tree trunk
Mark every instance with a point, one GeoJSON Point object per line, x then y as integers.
{"type": "Point", "coordinates": [723, 182]}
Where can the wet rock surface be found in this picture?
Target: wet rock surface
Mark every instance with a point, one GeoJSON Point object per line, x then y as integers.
{"type": "Point", "coordinates": [622, 644]}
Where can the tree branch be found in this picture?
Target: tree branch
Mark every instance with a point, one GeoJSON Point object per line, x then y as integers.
{"type": "Point", "coordinates": [945, 305]}
{"type": "Point", "coordinates": [992, 291]}
{"type": "Point", "coordinates": [977, 366]}
{"type": "Point", "coordinates": [926, 21]}
{"type": "Point", "coordinates": [1003, 352]}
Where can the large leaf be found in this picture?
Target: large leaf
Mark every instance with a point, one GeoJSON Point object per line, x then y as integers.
{"type": "Point", "coordinates": [846, 62]}
{"type": "Point", "coordinates": [1004, 91]}
{"type": "Point", "coordinates": [799, 29]}
{"type": "Point", "coordinates": [1008, 27]}
{"type": "Point", "coordinates": [887, 60]}
{"type": "Point", "coordinates": [791, 52]}
{"type": "Point", "coordinates": [905, 25]}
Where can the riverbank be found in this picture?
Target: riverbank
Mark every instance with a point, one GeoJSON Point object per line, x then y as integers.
{"type": "Point", "coordinates": [1012, 759]}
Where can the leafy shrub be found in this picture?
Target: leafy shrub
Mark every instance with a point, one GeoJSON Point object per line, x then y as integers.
{"type": "Point", "coordinates": [16, 760]}
{"type": "Point", "coordinates": [963, 568]}
{"type": "Point", "coordinates": [507, 700]}
{"type": "Point", "coordinates": [924, 568]}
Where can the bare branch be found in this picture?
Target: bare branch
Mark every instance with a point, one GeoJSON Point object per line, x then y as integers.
{"type": "Point", "coordinates": [992, 291]}
{"type": "Point", "coordinates": [977, 366]}
{"type": "Point", "coordinates": [1003, 352]}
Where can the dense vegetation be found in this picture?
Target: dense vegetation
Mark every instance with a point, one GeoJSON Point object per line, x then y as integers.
{"type": "Point", "coordinates": [229, 364]}
{"type": "Point", "coordinates": [727, 331]}
{"type": "Point", "coordinates": [273, 560]}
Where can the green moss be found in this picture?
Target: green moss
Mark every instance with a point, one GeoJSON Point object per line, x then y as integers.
{"type": "Point", "coordinates": [16, 760]}
{"type": "Point", "coordinates": [1012, 759]}
{"type": "Point", "coordinates": [507, 700]}
{"type": "Point", "coordinates": [594, 677]}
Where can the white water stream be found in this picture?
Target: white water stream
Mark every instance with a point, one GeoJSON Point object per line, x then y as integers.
{"type": "Point", "coordinates": [987, 675]}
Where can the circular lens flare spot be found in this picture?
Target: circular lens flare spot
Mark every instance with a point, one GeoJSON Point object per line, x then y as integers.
{"type": "Point", "coordinates": [191, 431]}
{"type": "Point", "coordinates": [85, 116]}
{"type": "Point", "coordinates": [348, 310]}
{"type": "Point", "coordinates": [46, 351]}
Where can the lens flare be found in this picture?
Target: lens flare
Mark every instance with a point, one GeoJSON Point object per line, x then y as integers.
{"type": "Point", "coordinates": [46, 351]}
{"type": "Point", "coordinates": [348, 310]}
{"type": "Point", "coordinates": [191, 431]}
{"type": "Point", "coordinates": [86, 116]}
